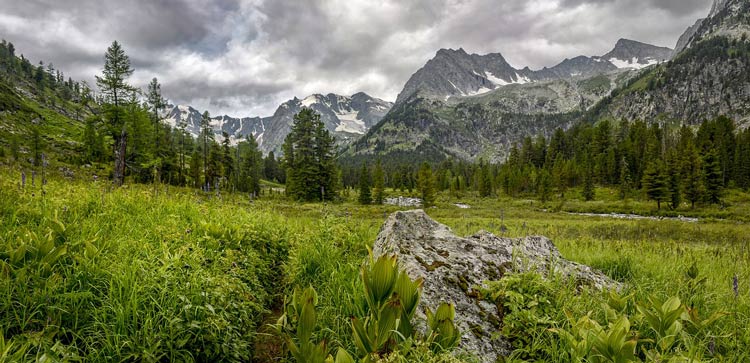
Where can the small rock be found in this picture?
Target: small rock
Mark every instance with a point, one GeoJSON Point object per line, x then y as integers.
{"type": "Point", "coordinates": [404, 202]}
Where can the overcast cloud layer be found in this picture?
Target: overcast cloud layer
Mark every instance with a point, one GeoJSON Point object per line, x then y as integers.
{"type": "Point", "coordinates": [245, 57]}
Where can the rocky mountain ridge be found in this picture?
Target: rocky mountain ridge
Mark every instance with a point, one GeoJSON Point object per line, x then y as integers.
{"type": "Point", "coordinates": [346, 116]}
{"type": "Point", "coordinates": [455, 73]}
{"type": "Point", "coordinates": [452, 108]}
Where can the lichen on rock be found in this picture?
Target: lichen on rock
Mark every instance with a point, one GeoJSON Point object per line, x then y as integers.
{"type": "Point", "coordinates": [452, 267]}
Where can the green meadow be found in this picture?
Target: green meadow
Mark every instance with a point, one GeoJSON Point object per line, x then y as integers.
{"type": "Point", "coordinates": [154, 273]}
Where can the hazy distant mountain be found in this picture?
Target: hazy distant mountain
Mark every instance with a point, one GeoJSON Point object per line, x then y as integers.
{"type": "Point", "coordinates": [346, 116]}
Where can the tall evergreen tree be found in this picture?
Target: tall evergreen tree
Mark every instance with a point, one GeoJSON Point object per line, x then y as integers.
{"type": "Point", "coordinates": [115, 89]}
{"type": "Point", "coordinates": [156, 104]}
{"type": "Point", "coordinates": [693, 176]}
{"type": "Point", "coordinates": [207, 138]}
{"type": "Point", "coordinates": [365, 194]}
{"type": "Point", "coordinates": [378, 183]}
{"type": "Point", "coordinates": [227, 160]}
{"type": "Point", "coordinates": [713, 177]}
{"type": "Point", "coordinates": [309, 159]}
{"type": "Point", "coordinates": [250, 166]}
{"type": "Point", "coordinates": [544, 185]}
{"type": "Point", "coordinates": [426, 185]}
{"type": "Point", "coordinates": [655, 182]}
{"type": "Point", "coordinates": [674, 182]}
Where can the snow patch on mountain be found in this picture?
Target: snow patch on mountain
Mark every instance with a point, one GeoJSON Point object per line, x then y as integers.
{"type": "Point", "coordinates": [351, 123]}
{"type": "Point", "coordinates": [634, 63]}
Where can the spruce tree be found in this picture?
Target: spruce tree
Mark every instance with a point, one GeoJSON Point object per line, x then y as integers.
{"type": "Point", "coordinates": [713, 177]}
{"type": "Point", "coordinates": [250, 166]}
{"type": "Point", "coordinates": [309, 159]}
{"type": "Point", "coordinates": [378, 177]}
{"type": "Point", "coordinates": [227, 160]}
{"type": "Point", "coordinates": [115, 89]}
{"type": "Point", "coordinates": [655, 182]}
{"type": "Point", "coordinates": [156, 104]}
{"type": "Point", "coordinates": [426, 185]}
{"type": "Point", "coordinates": [693, 176]}
{"type": "Point", "coordinates": [544, 185]}
{"type": "Point", "coordinates": [195, 169]}
{"type": "Point", "coordinates": [673, 177]}
{"type": "Point", "coordinates": [588, 184]}
{"type": "Point", "coordinates": [365, 196]}
{"type": "Point", "coordinates": [207, 138]}
{"type": "Point", "coordinates": [625, 179]}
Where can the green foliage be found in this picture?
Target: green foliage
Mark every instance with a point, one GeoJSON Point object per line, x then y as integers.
{"type": "Point", "coordinates": [309, 159]}
{"type": "Point", "coordinates": [656, 182]}
{"type": "Point", "coordinates": [426, 185]}
{"type": "Point", "coordinates": [378, 181]}
{"type": "Point", "coordinates": [365, 194]}
{"type": "Point", "coordinates": [297, 325]}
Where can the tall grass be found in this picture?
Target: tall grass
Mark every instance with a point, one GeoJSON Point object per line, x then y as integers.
{"type": "Point", "coordinates": [87, 273]}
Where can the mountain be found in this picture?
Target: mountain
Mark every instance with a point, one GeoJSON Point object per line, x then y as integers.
{"type": "Point", "coordinates": [632, 54]}
{"type": "Point", "coordinates": [454, 73]}
{"type": "Point", "coordinates": [708, 78]}
{"type": "Point", "coordinates": [471, 106]}
{"type": "Point", "coordinates": [346, 116]}
{"type": "Point", "coordinates": [728, 18]}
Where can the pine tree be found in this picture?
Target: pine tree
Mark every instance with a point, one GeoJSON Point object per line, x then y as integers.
{"type": "Point", "coordinates": [195, 168]}
{"type": "Point", "coordinates": [365, 196]}
{"type": "Point", "coordinates": [115, 89]}
{"type": "Point", "coordinates": [485, 179]}
{"type": "Point", "coordinates": [378, 177]}
{"type": "Point", "coordinates": [309, 159]}
{"type": "Point", "coordinates": [713, 177]}
{"type": "Point", "coordinates": [227, 160]}
{"type": "Point", "coordinates": [426, 185]}
{"type": "Point", "coordinates": [207, 138]}
{"type": "Point", "coordinates": [673, 177]}
{"type": "Point", "coordinates": [156, 104]}
{"type": "Point", "coordinates": [693, 176]}
{"type": "Point", "coordinates": [250, 165]}
{"type": "Point", "coordinates": [626, 179]}
{"type": "Point", "coordinates": [655, 182]}
{"type": "Point", "coordinates": [588, 184]}
{"type": "Point", "coordinates": [544, 185]}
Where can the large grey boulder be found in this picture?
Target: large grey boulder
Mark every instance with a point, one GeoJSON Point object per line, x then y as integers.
{"type": "Point", "coordinates": [452, 266]}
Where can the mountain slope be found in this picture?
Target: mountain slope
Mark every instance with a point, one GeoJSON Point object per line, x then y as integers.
{"type": "Point", "coordinates": [346, 116]}
{"type": "Point", "coordinates": [710, 77]}
{"type": "Point", "coordinates": [477, 106]}
{"type": "Point", "coordinates": [423, 129]}
{"type": "Point", "coordinates": [454, 73]}
{"type": "Point", "coordinates": [728, 18]}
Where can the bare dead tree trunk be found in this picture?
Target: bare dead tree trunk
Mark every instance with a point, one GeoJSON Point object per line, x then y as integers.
{"type": "Point", "coordinates": [120, 159]}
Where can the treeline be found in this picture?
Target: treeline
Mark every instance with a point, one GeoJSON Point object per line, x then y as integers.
{"type": "Point", "coordinates": [49, 82]}
{"type": "Point", "coordinates": [122, 126]}
{"type": "Point", "coordinates": [661, 161]}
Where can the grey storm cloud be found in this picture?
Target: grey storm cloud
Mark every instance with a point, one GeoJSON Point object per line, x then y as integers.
{"type": "Point", "coordinates": [244, 57]}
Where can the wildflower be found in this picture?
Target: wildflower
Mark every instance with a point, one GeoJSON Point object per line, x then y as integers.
{"type": "Point", "coordinates": [736, 286]}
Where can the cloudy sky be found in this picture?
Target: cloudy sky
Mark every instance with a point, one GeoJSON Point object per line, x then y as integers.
{"type": "Point", "coordinates": [245, 57]}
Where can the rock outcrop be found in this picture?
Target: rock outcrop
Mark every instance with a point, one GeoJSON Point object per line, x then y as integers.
{"type": "Point", "coordinates": [453, 266]}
